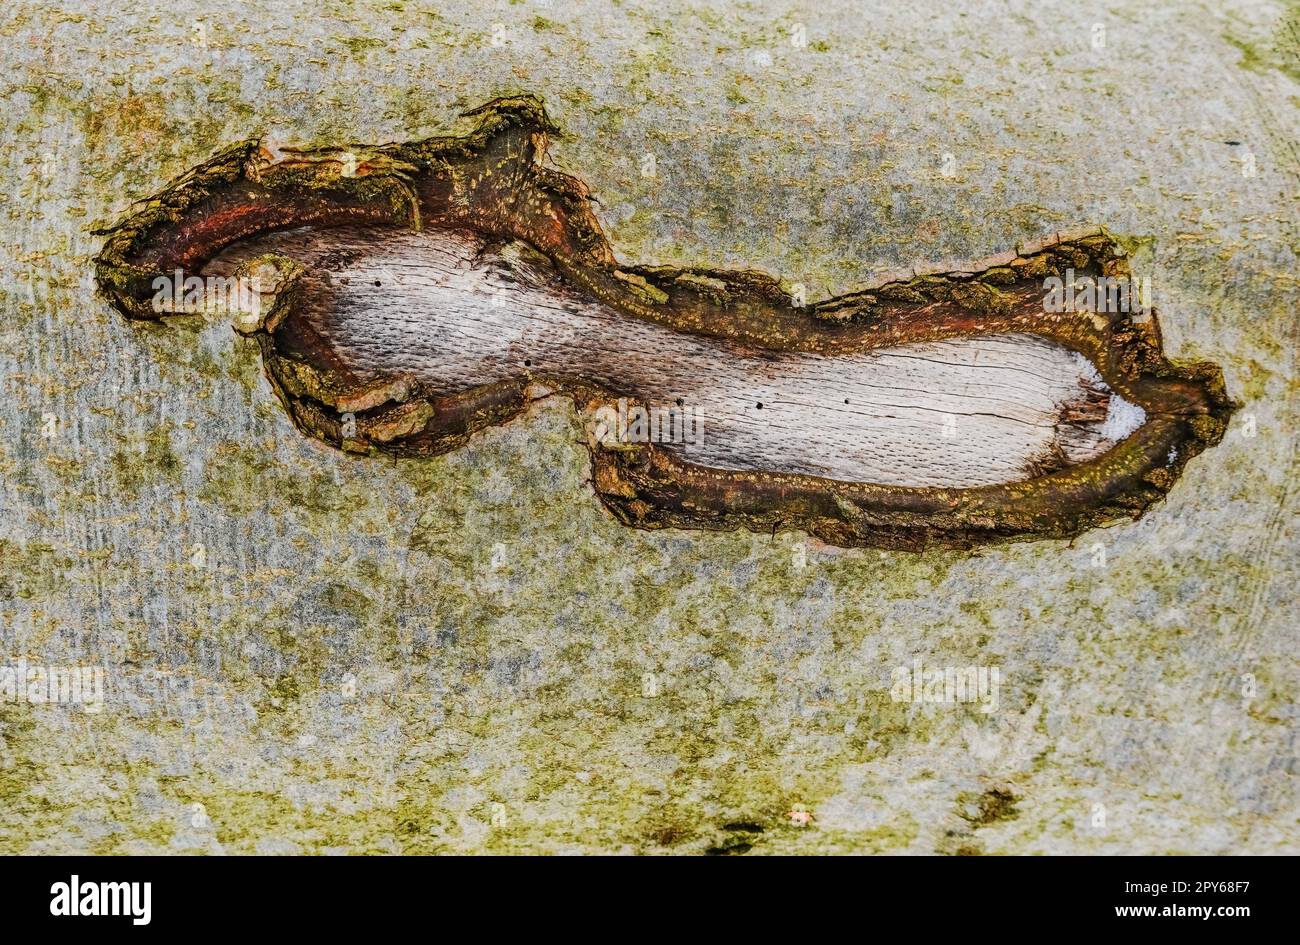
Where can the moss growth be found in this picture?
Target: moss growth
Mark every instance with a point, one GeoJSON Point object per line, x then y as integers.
{"type": "Point", "coordinates": [147, 460]}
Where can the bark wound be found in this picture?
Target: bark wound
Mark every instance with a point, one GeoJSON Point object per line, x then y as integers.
{"type": "Point", "coordinates": [407, 296]}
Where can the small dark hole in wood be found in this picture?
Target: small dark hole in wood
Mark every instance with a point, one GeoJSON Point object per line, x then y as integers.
{"type": "Point", "coordinates": [376, 282]}
{"type": "Point", "coordinates": [680, 402]}
{"type": "Point", "coordinates": [527, 363]}
{"type": "Point", "coordinates": [760, 406]}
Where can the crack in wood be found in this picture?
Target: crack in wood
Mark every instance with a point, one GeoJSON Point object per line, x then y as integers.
{"type": "Point", "coordinates": [406, 296]}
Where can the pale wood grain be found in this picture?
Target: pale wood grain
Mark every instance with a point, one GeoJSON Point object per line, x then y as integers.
{"type": "Point", "coordinates": [446, 309]}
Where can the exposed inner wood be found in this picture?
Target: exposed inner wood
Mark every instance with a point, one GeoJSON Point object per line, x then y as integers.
{"type": "Point", "coordinates": [445, 308]}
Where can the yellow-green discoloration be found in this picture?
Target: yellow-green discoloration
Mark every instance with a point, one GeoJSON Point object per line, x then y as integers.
{"type": "Point", "coordinates": [521, 684]}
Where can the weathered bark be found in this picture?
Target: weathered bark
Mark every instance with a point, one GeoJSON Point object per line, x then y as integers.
{"type": "Point", "coordinates": [492, 188]}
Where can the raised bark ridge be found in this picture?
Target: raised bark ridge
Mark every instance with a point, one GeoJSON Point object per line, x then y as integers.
{"type": "Point", "coordinates": [491, 184]}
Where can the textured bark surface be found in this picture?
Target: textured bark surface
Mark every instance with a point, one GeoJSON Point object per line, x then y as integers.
{"type": "Point", "coordinates": [309, 650]}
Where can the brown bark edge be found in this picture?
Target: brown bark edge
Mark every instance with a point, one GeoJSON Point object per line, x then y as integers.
{"type": "Point", "coordinates": [493, 181]}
